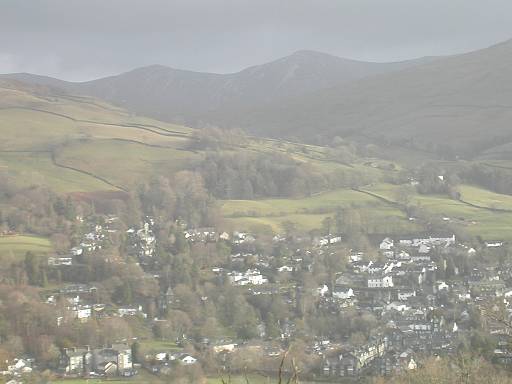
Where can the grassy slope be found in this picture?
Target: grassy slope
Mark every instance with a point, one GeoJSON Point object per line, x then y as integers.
{"type": "Point", "coordinates": [13, 247]}
{"type": "Point", "coordinates": [35, 125]}
{"type": "Point", "coordinates": [38, 168]}
{"type": "Point", "coordinates": [478, 221]}
{"type": "Point", "coordinates": [485, 198]}
{"type": "Point", "coordinates": [124, 163]}
{"type": "Point", "coordinates": [309, 212]}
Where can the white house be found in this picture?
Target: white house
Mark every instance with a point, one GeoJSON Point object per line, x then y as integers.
{"type": "Point", "coordinates": [441, 286]}
{"type": "Point", "coordinates": [494, 244]}
{"type": "Point", "coordinates": [406, 294]}
{"type": "Point", "coordinates": [423, 249]}
{"type": "Point", "coordinates": [224, 347]}
{"type": "Point", "coordinates": [402, 255]}
{"type": "Point", "coordinates": [161, 356]}
{"type": "Point", "coordinates": [387, 244]}
{"type": "Point", "coordinates": [343, 295]}
{"type": "Point", "coordinates": [285, 268]}
{"type": "Point", "coordinates": [186, 359]}
{"type": "Point", "coordinates": [224, 236]}
{"type": "Point", "coordinates": [19, 366]}
{"type": "Point", "coordinates": [380, 282]}
{"type": "Point", "coordinates": [399, 307]}
{"type": "Point", "coordinates": [322, 291]}
{"type": "Point", "coordinates": [251, 276]}
{"type": "Point", "coordinates": [355, 257]}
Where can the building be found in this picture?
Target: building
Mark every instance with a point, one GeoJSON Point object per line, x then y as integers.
{"type": "Point", "coordinates": [351, 363]}
{"type": "Point", "coordinates": [115, 360]}
{"type": "Point", "coordinates": [385, 281]}
{"type": "Point", "coordinates": [75, 361]}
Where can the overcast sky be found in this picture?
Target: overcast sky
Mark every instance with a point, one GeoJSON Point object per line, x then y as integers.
{"type": "Point", "coordinates": [85, 39]}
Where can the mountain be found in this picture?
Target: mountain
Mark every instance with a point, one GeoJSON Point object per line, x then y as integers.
{"type": "Point", "coordinates": [192, 97]}
{"type": "Point", "coordinates": [460, 104]}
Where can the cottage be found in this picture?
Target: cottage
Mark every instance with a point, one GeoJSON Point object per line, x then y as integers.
{"type": "Point", "coordinates": [19, 366]}
{"type": "Point", "coordinates": [285, 268]}
{"type": "Point", "coordinates": [186, 359]}
{"type": "Point", "coordinates": [387, 244]}
{"type": "Point", "coordinates": [396, 306]}
{"type": "Point", "coordinates": [224, 347]}
{"type": "Point", "coordinates": [322, 291]}
{"type": "Point", "coordinates": [224, 236]}
{"type": "Point", "coordinates": [343, 295]}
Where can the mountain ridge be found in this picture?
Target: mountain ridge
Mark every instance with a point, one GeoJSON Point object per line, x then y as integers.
{"type": "Point", "coordinates": [461, 102]}
{"type": "Point", "coordinates": [456, 105]}
{"type": "Point", "coordinates": [184, 96]}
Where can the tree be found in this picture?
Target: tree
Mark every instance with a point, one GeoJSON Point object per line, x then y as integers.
{"type": "Point", "coordinates": [33, 268]}
{"type": "Point", "coordinates": [290, 228]}
{"type": "Point", "coordinates": [327, 225]}
{"type": "Point", "coordinates": [403, 195]}
{"type": "Point", "coordinates": [137, 354]}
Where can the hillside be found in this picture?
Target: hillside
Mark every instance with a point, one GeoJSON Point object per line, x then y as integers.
{"type": "Point", "coordinates": [85, 147]}
{"type": "Point", "coordinates": [189, 97]}
{"type": "Point", "coordinates": [80, 144]}
{"type": "Point", "coordinates": [455, 105]}
{"type": "Point", "coordinates": [83, 144]}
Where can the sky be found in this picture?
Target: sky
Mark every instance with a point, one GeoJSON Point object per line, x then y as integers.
{"type": "Point", "coordinates": [86, 39]}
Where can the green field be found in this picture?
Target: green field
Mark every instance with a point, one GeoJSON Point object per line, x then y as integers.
{"type": "Point", "coordinates": [308, 213]}
{"type": "Point", "coordinates": [85, 134]}
{"type": "Point", "coordinates": [38, 169]}
{"type": "Point", "coordinates": [485, 198]}
{"type": "Point", "coordinates": [326, 202]}
{"type": "Point", "coordinates": [159, 346]}
{"type": "Point", "coordinates": [18, 245]}
{"type": "Point", "coordinates": [477, 221]}
{"type": "Point", "coordinates": [30, 130]}
{"type": "Point", "coordinates": [124, 163]}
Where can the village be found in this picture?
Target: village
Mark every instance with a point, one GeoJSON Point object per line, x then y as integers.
{"type": "Point", "coordinates": [412, 298]}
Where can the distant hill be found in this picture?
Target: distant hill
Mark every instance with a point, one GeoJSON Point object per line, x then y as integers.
{"type": "Point", "coordinates": [194, 98]}
{"type": "Point", "coordinates": [460, 105]}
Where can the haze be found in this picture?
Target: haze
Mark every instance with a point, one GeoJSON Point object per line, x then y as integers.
{"type": "Point", "coordinates": [84, 40]}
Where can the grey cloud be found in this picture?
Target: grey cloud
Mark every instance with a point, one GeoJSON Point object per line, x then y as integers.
{"type": "Point", "coordinates": [84, 39]}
